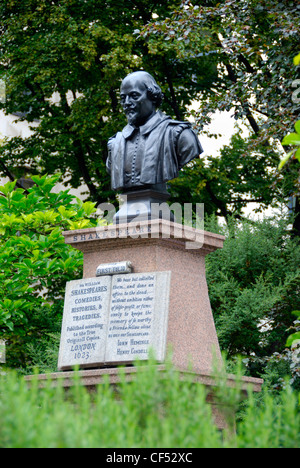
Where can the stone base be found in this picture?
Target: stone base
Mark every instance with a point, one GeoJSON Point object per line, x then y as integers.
{"type": "Point", "coordinates": [158, 246]}
{"type": "Point", "coordinates": [155, 246]}
{"type": "Point", "coordinates": [144, 205]}
{"type": "Point", "coordinates": [92, 378]}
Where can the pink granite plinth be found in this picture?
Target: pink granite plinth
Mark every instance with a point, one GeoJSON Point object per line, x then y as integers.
{"type": "Point", "coordinates": [91, 379]}
{"type": "Point", "coordinates": [164, 246]}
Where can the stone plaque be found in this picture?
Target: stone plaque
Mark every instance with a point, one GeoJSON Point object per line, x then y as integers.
{"type": "Point", "coordinates": [114, 268]}
{"type": "Point", "coordinates": [114, 319]}
{"type": "Point", "coordinates": [138, 317]}
{"type": "Point", "coordinates": [84, 325]}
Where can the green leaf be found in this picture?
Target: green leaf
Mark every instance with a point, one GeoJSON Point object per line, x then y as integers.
{"type": "Point", "coordinates": [66, 213]}
{"type": "Point", "coordinates": [74, 225]}
{"type": "Point", "coordinates": [3, 201]}
{"type": "Point", "coordinates": [292, 338]}
{"type": "Point", "coordinates": [297, 60]}
{"type": "Point", "coordinates": [89, 208]}
{"type": "Point", "coordinates": [27, 218]}
{"type": "Point", "coordinates": [70, 263]}
{"type": "Point", "coordinates": [10, 325]}
{"type": "Point", "coordinates": [8, 188]}
{"type": "Point", "coordinates": [297, 127]}
{"type": "Point", "coordinates": [291, 139]}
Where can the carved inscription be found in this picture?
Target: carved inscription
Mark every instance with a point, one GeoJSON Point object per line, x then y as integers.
{"type": "Point", "coordinates": [85, 322]}
{"type": "Point", "coordinates": [131, 317]}
{"type": "Point", "coordinates": [114, 319]}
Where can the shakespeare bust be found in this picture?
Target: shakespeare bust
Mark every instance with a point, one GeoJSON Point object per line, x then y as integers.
{"type": "Point", "coordinates": [152, 148]}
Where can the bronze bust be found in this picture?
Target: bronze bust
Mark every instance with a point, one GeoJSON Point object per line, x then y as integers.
{"type": "Point", "coordinates": [152, 148]}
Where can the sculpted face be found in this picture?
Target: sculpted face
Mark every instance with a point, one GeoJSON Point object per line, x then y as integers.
{"type": "Point", "coordinates": [135, 101]}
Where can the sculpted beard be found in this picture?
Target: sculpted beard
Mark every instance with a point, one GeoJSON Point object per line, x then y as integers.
{"type": "Point", "coordinates": [131, 115]}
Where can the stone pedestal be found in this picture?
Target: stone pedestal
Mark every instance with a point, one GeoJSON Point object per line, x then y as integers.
{"type": "Point", "coordinates": [146, 205]}
{"type": "Point", "coordinates": [160, 245]}
{"type": "Point", "coordinates": [90, 379]}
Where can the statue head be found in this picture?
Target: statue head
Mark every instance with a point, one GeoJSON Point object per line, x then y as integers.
{"type": "Point", "coordinates": [140, 97]}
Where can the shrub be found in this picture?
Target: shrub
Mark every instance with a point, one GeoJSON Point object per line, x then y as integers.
{"type": "Point", "coordinates": [254, 284]}
{"type": "Point", "coordinates": [155, 410]}
{"type": "Point", "coordinates": [35, 264]}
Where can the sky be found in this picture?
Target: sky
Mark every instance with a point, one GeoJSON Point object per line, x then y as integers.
{"type": "Point", "coordinates": [224, 124]}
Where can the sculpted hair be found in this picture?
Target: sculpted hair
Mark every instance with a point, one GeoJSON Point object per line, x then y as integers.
{"type": "Point", "coordinates": [154, 92]}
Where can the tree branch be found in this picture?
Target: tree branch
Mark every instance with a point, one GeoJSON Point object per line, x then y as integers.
{"type": "Point", "coordinates": [173, 101]}
{"type": "Point", "coordinates": [245, 104]}
{"type": "Point", "coordinates": [10, 175]}
{"type": "Point", "coordinates": [247, 64]}
{"type": "Point", "coordinates": [78, 149]}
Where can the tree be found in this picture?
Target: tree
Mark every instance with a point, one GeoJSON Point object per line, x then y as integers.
{"type": "Point", "coordinates": [36, 263]}
{"type": "Point", "coordinates": [254, 284]}
{"type": "Point", "coordinates": [77, 52]}
{"type": "Point", "coordinates": [253, 43]}
{"type": "Point", "coordinates": [229, 55]}
{"type": "Point", "coordinates": [231, 182]}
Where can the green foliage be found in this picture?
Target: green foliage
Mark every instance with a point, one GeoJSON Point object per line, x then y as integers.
{"type": "Point", "coordinates": [293, 342]}
{"type": "Point", "coordinates": [229, 183]}
{"type": "Point", "coordinates": [254, 285]}
{"type": "Point", "coordinates": [295, 337]}
{"type": "Point", "coordinates": [35, 262]}
{"type": "Point", "coordinates": [63, 63]}
{"type": "Point", "coordinates": [233, 55]}
{"type": "Point", "coordinates": [297, 60]}
{"type": "Point", "coordinates": [274, 425]}
{"type": "Point", "coordinates": [155, 410]}
{"type": "Point", "coordinates": [292, 139]}
{"type": "Point", "coordinates": [253, 43]}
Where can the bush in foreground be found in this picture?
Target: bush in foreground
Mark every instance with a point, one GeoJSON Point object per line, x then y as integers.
{"type": "Point", "coordinates": [35, 264]}
{"type": "Point", "coordinates": [156, 410]}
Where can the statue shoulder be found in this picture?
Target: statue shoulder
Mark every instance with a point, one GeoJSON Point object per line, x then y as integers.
{"type": "Point", "coordinates": [185, 140]}
{"type": "Point", "coordinates": [179, 128]}
{"type": "Point", "coordinates": [180, 123]}
{"type": "Point", "coordinates": [113, 140]}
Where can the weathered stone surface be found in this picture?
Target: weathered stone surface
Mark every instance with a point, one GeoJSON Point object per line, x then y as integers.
{"type": "Point", "coordinates": [138, 317]}
{"type": "Point", "coordinates": [84, 323]}
{"type": "Point", "coordinates": [164, 246]}
{"type": "Point", "coordinates": [112, 320]}
{"type": "Point", "coordinates": [115, 268]}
